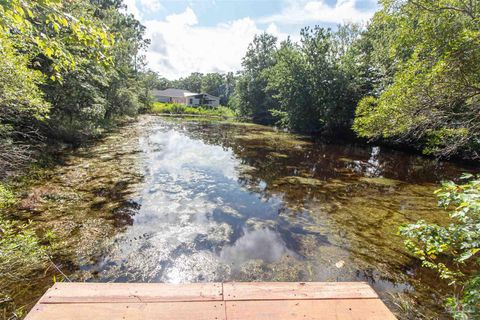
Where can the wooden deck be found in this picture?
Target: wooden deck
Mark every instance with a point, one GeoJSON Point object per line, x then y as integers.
{"type": "Point", "coordinates": [212, 301]}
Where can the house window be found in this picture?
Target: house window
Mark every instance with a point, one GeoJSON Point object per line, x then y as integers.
{"type": "Point", "coordinates": [191, 101]}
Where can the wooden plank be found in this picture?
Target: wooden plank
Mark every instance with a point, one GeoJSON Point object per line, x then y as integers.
{"type": "Point", "coordinates": [131, 292]}
{"type": "Point", "coordinates": [297, 290]}
{"type": "Point", "coordinates": [205, 310]}
{"type": "Point", "coordinates": [352, 309]}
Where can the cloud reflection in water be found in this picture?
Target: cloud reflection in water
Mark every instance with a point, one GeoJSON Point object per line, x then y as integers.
{"type": "Point", "coordinates": [190, 226]}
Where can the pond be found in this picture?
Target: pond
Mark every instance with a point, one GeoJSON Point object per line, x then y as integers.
{"type": "Point", "coordinates": [191, 200]}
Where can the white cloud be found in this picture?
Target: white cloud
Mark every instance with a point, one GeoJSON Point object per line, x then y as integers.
{"type": "Point", "coordinates": [304, 12]}
{"type": "Point", "coordinates": [151, 5]}
{"type": "Point", "coordinates": [187, 18]}
{"type": "Point", "coordinates": [179, 46]}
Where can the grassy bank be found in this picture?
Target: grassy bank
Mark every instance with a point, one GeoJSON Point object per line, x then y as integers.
{"type": "Point", "coordinates": [173, 108]}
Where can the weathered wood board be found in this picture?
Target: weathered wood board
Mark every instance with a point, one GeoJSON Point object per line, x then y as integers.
{"type": "Point", "coordinates": [297, 290]}
{"type": "Point", "coordinates": [131, 292]}
{"type": "Point", "coordinates": [372, 309]}
{"type": "Point", "coordinates": [215, 301]}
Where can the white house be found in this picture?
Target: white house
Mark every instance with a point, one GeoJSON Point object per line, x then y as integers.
{"type": "Point", "coordinates": [186, 97]}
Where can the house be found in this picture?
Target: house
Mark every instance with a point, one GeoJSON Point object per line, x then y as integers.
{"type": "Point", "coordinates": [186, 97]}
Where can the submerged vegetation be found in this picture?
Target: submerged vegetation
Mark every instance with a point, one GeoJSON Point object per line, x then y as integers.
{"type": "Point", "coordinates": [21, 254]}
{"type": "Point", "coordinates": [174, 108]}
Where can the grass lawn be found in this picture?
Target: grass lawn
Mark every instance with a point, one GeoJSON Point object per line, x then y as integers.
{"type": "Point", "coordinates": [173, 108]}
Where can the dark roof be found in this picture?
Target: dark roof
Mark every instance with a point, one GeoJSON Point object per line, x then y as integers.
{"type": "Point", "coordinates": [177, 93]}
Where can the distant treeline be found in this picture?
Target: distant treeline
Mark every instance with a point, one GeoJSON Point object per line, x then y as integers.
{"type": "Point", "coordinates": [69, 68]}
{"type": "Point", "coordinates": [411, 76]}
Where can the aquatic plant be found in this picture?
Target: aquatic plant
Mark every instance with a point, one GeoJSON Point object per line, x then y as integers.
{"type": "Point", "coordinates": [453, 250]}
{"type": "Point", "coordinates": [6, 196]}
{"type": "Point", "coordinates": [21, 253]}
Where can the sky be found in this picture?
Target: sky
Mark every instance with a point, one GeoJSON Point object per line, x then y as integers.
{"type": "Point", "coordinates": [213, 35]}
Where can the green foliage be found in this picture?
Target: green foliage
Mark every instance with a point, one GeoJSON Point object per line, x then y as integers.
{"type": "Point", "coordinates": [308, 86]}
{"type": "Point", "coordinates": [430, 95]}
{"type": "Point", "coordinates": [252, 98]}
{"type": "Point", "coordinates": [192, 83]}
{"type": "Point", "coordinates": [148, 81]}
{"type": "Point", "coordinates": [453, 250]}
{"type": "Point", "coordinates": [93, 94]}
{"type": "Point", "coordinates": [69, 68]}
{"type": "Point", "coordinates": [212, 84]}
{"type": "Point", "coordinates": [174, 108]}
{"type": "Point", "coordinates": [22, 103]}
{"type": "Point", "coordinates": [19, 91]}
{"type": "Point", "coordinates": [6, 197]}
{"type": "Point", "coordinates": [44, 30]}
{"type": "Point", "coordinates": [289, 79]}
{"type": "Point", "coordinates": [312, 82]}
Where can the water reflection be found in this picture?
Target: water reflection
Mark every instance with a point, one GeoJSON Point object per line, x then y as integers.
{"type": "Point", "coordinates": [262, 244]}
{"type": "Point", "coordinates": [195, 222]}
{"type": "Point", "coordinates": [173, 200]}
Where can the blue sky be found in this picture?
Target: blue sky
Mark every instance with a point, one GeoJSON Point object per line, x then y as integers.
{"type": "Point", "coordinates": [213, 35]}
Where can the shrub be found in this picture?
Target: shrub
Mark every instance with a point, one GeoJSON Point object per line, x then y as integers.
{"type": "Point", "coordinates": [458, 243]}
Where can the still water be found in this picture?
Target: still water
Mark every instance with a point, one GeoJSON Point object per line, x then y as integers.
{"type": "Point", "coordinates": [181, 200]}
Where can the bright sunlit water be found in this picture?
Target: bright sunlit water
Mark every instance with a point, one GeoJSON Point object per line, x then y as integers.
{"type": "Point", "coordinates": [178, 200]}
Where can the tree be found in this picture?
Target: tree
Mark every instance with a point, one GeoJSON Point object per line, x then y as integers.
{"type": "Point", "coordinates": [40, 41]}
{"type": "Point", "coordinates": [433, 98]}
{"type": "Point", "coordinates": [291, 82]}
{"type": "Point", "coordinates": [22, 104]}
{"type": "Point", "coordinates": [93, 94]}
{"type": "Point", "coordinates": [150, 81]}
{"type": "Point", "coordinates": [71, 68]}
{"type": "Point", "coordinates": [212, 83]}
{"type": "Point", "coordinates": [229, 88]}
{"type": "Point", "coordinates": [45, 31]}
{"type": "Point", "coordinates": [163, 83]}
{"type": "Point", "coordinates": [251, 90]}
{"type": "Point", "coordinates": [191, 83]}
{"type": "Point", "coordinates": [314, 81]}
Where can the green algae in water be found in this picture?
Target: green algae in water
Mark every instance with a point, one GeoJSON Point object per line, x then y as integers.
{"type": "Point", "coordinates": [186, 200]}
{"type": "Point", "coordinates": [297, 180]}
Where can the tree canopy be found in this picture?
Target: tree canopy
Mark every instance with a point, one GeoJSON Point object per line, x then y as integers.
{"type": "Point", "coordinates": [410, 76]}
{"type": "Point", "coordinates": [432, 99]}
{"type": "Point", "coordinates": [68, 68]}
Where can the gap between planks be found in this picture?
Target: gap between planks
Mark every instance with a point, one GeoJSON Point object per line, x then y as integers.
{"type": "Point", "coordinates": [224, 302]}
